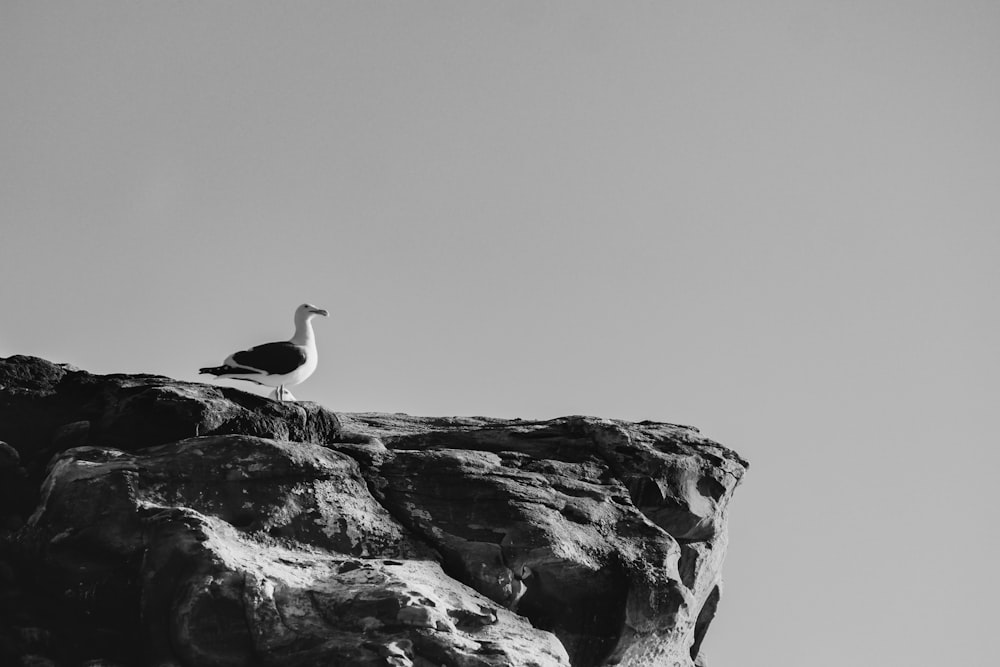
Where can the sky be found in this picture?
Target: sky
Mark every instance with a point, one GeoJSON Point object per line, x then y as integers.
{"type": "Point", "coordinates": [775, 221]}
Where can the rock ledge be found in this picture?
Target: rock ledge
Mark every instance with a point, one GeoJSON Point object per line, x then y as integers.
{"type": "Point", "coordinates": [150, 521]}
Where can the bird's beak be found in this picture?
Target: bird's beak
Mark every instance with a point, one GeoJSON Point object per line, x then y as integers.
{"type": "Point", "coordinates": [320, 311]}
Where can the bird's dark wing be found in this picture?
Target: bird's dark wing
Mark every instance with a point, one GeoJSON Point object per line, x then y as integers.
{"type": "Point", "coordinates": [272, 358]}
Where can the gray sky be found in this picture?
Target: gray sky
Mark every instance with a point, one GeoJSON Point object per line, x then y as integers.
{"type": "Point", "coordinates": [776, 221]}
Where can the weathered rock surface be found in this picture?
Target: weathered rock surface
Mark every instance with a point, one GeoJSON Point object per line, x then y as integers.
{"type": "Point", "coordinates": [150, 521]}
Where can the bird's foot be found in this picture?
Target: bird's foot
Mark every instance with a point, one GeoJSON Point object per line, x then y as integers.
{"type": "Point", "coordinates": [281, 394]}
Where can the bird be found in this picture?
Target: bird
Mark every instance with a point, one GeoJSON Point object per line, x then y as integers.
{"type": "Point", "coordinates": [277, 365]}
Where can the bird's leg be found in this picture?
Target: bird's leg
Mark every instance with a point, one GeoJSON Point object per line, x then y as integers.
{"type": "Point", "coordinates": [281, 393]}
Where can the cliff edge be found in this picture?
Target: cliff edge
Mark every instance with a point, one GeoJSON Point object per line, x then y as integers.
{"type": "Point", "coordinates": [147, 521]}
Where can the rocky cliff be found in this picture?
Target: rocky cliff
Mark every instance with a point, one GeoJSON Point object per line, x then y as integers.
{"type": "Point", "coordinates": [149, 521]}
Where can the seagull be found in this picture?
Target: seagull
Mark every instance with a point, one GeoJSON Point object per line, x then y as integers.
{"type": "Point", "coordinates": [277, 365]}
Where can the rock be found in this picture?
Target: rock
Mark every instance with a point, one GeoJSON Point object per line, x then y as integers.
{"type": "Point", "coordinates": [32, 660]}
{"type": "Point", "coordinates": [184, 524]}
{"type": "Point", "coordinates": [9, 458]}
{"type": "Point", "coordinates": [295, 606]}
{"type": "Point", "coordinates": [29, 374]}
{"type": "Point", "coordinates": [46, 408]}
{"type": "Point", "coordinates": [276, 489]}
{"type": "Point", "coordinates": [34, 639]}
{"type": "Point", "coordinates": [230, 528]}
{"type": "Point", "coordinates": [560, 520]}
{"type": "Point", "coordinates": [13, 487]}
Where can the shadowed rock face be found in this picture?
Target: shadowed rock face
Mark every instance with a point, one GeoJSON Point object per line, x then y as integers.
{"type": "Point", "coordinates": [150, 521]}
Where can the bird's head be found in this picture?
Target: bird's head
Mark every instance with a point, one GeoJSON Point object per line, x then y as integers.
{"type": "Point", "coordinates": [307, 311]}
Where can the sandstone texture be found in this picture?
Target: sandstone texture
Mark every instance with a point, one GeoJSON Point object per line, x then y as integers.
{"type": "Point", "coordinates": [147, 521]}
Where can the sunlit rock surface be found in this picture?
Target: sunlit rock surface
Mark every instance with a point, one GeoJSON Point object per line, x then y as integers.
{"type": "Point", "coordinates": [151, 521]}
